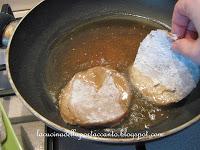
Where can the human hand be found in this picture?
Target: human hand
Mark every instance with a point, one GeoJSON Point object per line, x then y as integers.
{"type": "Point", "coordinates": [186, 25]}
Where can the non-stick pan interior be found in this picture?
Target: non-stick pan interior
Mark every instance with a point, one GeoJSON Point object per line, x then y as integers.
{"type": "Point", "coordinates": [30, 49]}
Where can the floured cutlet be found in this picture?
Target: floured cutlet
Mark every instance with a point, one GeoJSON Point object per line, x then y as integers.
{"type": "Point", "coordinates": [96, 97]}
{"type": "Point", "coordinates": [161, 75]}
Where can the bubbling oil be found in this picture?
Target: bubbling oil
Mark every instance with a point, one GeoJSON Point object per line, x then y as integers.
{"type": "Point", "coordinates": [112, 42]}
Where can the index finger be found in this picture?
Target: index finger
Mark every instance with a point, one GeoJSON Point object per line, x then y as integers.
{"type": "Point", "coordinates": [179, 20]}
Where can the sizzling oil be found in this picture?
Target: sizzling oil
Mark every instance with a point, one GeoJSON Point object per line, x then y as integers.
{"type": "Point", "coordinates": [108, 42]}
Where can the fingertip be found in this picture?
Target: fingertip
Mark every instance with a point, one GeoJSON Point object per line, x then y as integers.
{"type": "Point", "coordinates": [180, 46]}
{"type": "Point", "coordinates": [185, 47]}
{"type": "Point", "coordinates": [175, 46]}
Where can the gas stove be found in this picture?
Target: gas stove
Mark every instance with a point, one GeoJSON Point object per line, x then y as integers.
{"type": "Point", "coordinates": [188, 139]}
{"type": "Point", "coordinates": [27, 126]}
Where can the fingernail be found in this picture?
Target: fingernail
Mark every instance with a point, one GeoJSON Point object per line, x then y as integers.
{"type": "Point", "coordinates": [172, 36]}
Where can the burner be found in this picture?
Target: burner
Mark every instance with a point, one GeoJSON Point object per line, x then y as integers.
{"type": "Point", "coordinates": [70, 143]}
{"type": "Point", "coordinates": [188, 139]}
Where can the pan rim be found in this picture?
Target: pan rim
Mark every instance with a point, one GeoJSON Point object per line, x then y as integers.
{"type": "Point", "coordinates": [77, 134]}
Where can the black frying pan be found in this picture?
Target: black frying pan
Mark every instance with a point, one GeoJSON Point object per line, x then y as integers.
{"type": "Point", "coordinates": [29, 49]}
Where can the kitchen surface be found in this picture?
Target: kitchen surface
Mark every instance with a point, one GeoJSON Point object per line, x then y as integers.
{"type": "Point", "coordinates": [27, 126]}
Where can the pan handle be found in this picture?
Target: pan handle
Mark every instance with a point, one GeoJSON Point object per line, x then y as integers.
{"type": "Point", "coordinates": [5, 92]}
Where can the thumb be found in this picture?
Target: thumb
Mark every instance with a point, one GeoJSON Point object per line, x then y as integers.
{"type": "Point", "coordinates": [188, 47]}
